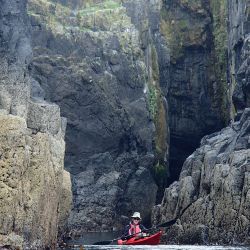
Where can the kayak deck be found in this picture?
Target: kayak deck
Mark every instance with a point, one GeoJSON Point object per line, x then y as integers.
{"type": "Point", "coordinates": [147, 240]}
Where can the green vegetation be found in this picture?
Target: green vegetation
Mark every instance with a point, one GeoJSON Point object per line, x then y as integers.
{"type": "Point", "coordinates": [158, 113]}
{"type": "Point", "coordinates": [157, 110]}
{"type": "Point", "coordinates": [154, 92]}
{"type": "Point", "coordinates": [161, 130]}
{"type": "Point", "coordinates": [153, 96]}
{"type": "Point", "coordinates": [61, 19]}
{"type": "Point", "coordinates": [159, 171]}
{"type": "Point", "coordinates": [106, 5]}
{"type": "Point", "coordinates": [160, 175]}
{"type": "Point", "coordinates": [51, 14]}
{"type": "Point", "coordinates": [155, 66]}
{"type": "Point", "coordinates": [183, 31]}
{"type": "Point", "coordinates": [219, 11]}
{"type": "Point", "coordinates": [173, 35]}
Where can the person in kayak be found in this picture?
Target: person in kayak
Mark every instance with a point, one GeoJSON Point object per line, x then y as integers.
{"type": "Point", "coordinates": [135, 227]}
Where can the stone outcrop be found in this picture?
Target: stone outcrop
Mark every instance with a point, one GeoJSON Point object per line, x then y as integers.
{"type": "Point", "coordinates": [212, 197]}
{"type": "Point", "coordinates": [31, 146]}
{"type": "Point", "coordinates": [88, 59]}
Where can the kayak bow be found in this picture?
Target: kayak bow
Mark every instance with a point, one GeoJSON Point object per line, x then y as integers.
{"type": "Point", "coordinates": [147, 240]}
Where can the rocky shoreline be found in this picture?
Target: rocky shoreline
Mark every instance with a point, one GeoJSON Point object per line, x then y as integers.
{"type": "Point", "coordinates": [113, 106]}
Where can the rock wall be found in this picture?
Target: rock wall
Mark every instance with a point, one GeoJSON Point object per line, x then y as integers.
{"type": "Point", "coordinates": [145, 15]}
{"type": "Point", "coordinates": [211, 199]}
{"type": "Point", "coordinates": [88, 58]}
{"type": "Point", "coordinates": [238, 15]}
{"type": "Point", "coordinates": [196, 86]}
{"type": "Point", "coordinates": [123, 72]}
{"type": "Point", "coordinates": [32, 144]}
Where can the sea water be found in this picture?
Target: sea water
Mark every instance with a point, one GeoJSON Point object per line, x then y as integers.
{"type": "Point", "coordinates": [159, 247]}
{"type": "Point", "coordinates": [87, 240]}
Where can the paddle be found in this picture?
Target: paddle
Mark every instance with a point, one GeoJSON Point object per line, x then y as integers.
{"type": "Point", "coordinates": [164, 224]}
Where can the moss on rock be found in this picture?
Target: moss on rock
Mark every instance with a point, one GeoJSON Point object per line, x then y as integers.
{"type": "Point", "coordinates": [219, 12]}
{"type": "Point", "coordinates": [158, 113]}
{"type": "Point", "coordinates": [186, 30]}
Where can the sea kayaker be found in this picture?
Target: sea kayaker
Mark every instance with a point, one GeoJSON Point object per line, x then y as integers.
{"type": "Point", "coordinates": [135, 227]}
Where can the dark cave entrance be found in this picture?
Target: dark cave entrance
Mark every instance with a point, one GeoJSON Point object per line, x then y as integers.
{"type": "Point", "coordinates": [180, 149]}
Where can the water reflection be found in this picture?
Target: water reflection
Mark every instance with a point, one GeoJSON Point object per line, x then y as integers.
{"type": "Point", "coordinates": [159, 247]}
{"type": "Point", "coordinates": [91, 238]}
{"type": "Point", "coordinates": [88, 239]}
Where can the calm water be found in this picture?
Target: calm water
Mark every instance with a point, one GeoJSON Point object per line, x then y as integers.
{"type": "Point", "coordinates": [159, 247]}
{"type": "Point", "coordinates": [88, 239]}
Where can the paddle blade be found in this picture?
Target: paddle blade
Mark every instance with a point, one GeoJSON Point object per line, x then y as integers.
{"type": "Point", "coordinates": [105, 242]}
{"type": "Point", "coordinates": [167, 224]}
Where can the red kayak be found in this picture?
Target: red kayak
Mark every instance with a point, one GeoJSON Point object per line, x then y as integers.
{"type": "Point", "coordinates": [147, 240]}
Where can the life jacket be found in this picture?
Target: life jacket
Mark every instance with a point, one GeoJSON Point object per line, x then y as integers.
{"type": "Point", "coordinates": [134, 229]}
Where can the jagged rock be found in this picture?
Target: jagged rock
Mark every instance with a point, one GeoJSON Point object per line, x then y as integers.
{"type": "Point", "coordinates": [31, 176]}
{"type": "Point", "coordinates": [212, 194]}
{"type": "Point", "coordinates": [31, 159]}
{"type": "Point", "coordinates": [44, 117]}
{"type": "Point", "coordinates": [12, 241]}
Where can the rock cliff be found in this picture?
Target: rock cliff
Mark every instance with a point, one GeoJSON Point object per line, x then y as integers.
{"type": "Point", "coordinates": [140, 82]}
{"type": "Point", "coordinates": [211, 199]}
{"type": "Point", "coordinates": [32, 178]}
{"type": "Point", "coordinates": [238, 14]}
{"type": "Point", "coordinates": [196, 86]}
{"type": "Point", "coordinates": [123, 72]}
{"type": "Point", "coordinates": [88, 58]}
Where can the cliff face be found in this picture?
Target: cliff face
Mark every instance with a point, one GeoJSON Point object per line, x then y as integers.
{"type": "Point", "coordinates": [196, 87]}
{"type": "Point", "coordinates": [145, 15]}
{"type": "Point", "coordinates": [238, 14]}
{"type": "Point", "coordinates": [211, 198]}
{"type": "Point", "coordinates": [122, 72]}
{"type": "Point", "coordinates": [88, 58]}
{"type": "Point", "coordinates": [32, 144]}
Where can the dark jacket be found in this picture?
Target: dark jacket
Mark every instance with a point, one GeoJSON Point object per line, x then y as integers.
{"type": "Point", "coordinates": [126, 230]}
